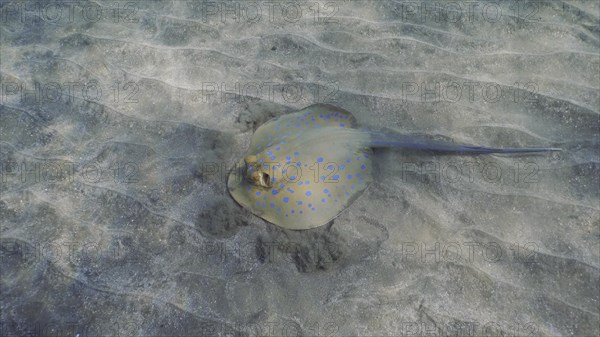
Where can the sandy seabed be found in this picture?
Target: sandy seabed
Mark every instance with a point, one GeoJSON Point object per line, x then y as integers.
{"type": "Point", "coordinates": [119, 121]}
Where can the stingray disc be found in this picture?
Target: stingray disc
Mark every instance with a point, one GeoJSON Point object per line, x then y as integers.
{"type": "Point", "coordinates": [304, 168]}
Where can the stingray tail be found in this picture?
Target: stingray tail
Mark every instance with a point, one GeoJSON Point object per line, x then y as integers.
{"type": "Point", "coordinates": [387, 140]}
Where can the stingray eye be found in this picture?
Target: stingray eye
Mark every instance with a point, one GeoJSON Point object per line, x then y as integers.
{"type": "Point", "coordinates": [266, 180]}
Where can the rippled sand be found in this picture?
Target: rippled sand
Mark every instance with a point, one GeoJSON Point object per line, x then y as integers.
{"type": "Point", "coordinates": [117, 132]}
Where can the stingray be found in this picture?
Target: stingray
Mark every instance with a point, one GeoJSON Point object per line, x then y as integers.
{"type": "Point", "coordinates": [302, 169]}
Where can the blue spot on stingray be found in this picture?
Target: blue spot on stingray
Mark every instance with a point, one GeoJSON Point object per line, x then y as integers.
{"type": "Point", "coordinates": [258, 193]}
{"type": "Point", "coordinates": [290, 190]}
{"type": "Point", "coordinates": [293, 211]}
{"type": "Point", "coordinates": [321, 115]}
{"type": "Point", "coordinates": [264, 205]}
{"type": "Point", "coordinates": [353, 187]}
{"type": "Point", "coordinates": [269, 144]}
{"type": "Point", "coordinates": [284, 170]}
{"type": "Point", "coordinates": [278, 209]}
{"type": "Point", "coordinates": [248, 188]}
{"type": "Point", "coordinates": [329, 195]}
{"type": "Point", "coordinates": [313, 209]}
{"type": "Point", "coordinates": [312, 119]}
{"type": "Point", "coordinates": [297, 125]}
{"type": "Point", "coordinates": [347, 160]}
{"type": "Point", "coordinates": [308, 193]}
{"type": "Point", "coordinates": [288, 157]}
{"type": "Point", "coordinates": [307, 182]}
{"type": "Point", "coordinates": [286, 199]}
{"type": "Point", "coordinates": [273, 157]}
{"type": "Point", "coordinates": [323, 200]}
{"type": "Point", "coordinates": [330, 167]}
{"type": "Point", "coordinates": [274, 192]}
{"type": "Point", "coordinates": [358, 174]}
{"type": "Point", "coordinates": [278, 148]}
{"type": "Point", "coordinates": [362, 167]}
{"type": "Point", "coordinates": [343, 187]}
{"type": "Point", "coordinates": [320, 160]}
{"type": "Point", "coordinates": [328, 117]}
{"type": "Point", "coordinates": [265, 198]}
{"type": "Point", "coordinates": [298, 164]}
{"type": "Point", "coordinates": [269, 153]}
{"type": "Point", "coordinates": [336, 177]}
{"type": "Point", "coordinates": [349, 176]}
{"type": "Point", "coordinates": [272, 205]}
{"type": "Point", "coordinates": [281, 185]}
{"type": "Point", "coordinates": [293, 178]}
{"type": "Point", "coordinates": [309, 205]}
{"type": "Point", "coordinates": [296, 153]}
{"type": "Point", "coordinates": [258, 203]}
{"type": "Point", "coordinates": [365, 155]}
{"type": "Point", "coordinates": [342, 124]}
{"type": "Point", "coordinates": [250, 168]}
{"type": "Point", "coordinates": [322, 177]}
{"type": "Point", "coordinates": [282, 142]}
{"type": "Point", "coordinates": [300, 212]}
{"type": "Point", "coordinates": [299, 202]}
{"type": "Point", "coordinates": [342, 167]}
{"type": "Point", "coordinates": [262, 161]}
{"type": "Point", "coordinates": [357, 158]}
{"type": "Point", "coordinates": [326, 191]}
{"type": "Point", "coordinates": [300, 183]}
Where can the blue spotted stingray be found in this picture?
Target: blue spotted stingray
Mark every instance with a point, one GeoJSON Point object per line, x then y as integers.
{"type": "Point", "coordinates": [304, 168]}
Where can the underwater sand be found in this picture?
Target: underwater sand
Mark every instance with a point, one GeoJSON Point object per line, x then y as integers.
{"type": "Point", "coordinates": [119, 121]}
